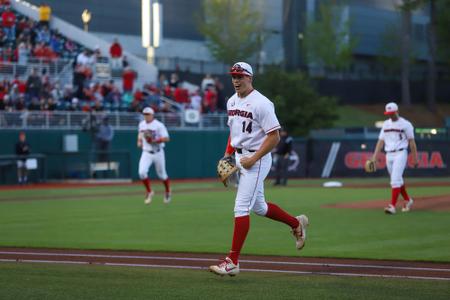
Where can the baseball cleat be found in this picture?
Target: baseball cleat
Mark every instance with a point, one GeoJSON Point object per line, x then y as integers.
{"type": "Point", "coordinates": [407, 206]}
{"type": "Point", "coordinates": [167, 197]}
{"type": "Point", "coordinates": [300, 232]}
{"type": "Point", "coordinates": [227, 267]}
{"type": "Point", "coordinates": [149, 197]}
{"type": "Point", "coordinates": [390, 209]}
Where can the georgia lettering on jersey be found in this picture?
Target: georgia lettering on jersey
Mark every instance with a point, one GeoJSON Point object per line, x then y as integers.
{"type": "Point", "coordinates": [396, 134]}
{"type": "Point", "coordinates": [250, 119]}
{"type": "Point", "coordinates": [155, 130]}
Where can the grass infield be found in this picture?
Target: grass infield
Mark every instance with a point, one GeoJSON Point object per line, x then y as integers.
{"type": "Point", "coordinates": [200, 219]}
{"type": "Point", "coordinates": [40, 281]}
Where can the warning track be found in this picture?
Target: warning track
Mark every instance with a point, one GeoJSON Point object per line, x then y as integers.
{"type": "Point", "coordinates": [270, 264]}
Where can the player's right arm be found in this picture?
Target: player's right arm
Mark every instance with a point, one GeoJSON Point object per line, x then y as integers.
{"type": "Point", "coordinates": [378, 148]}
{"type": "Point", "coordinates": [140, 136]}
{"type": "Point", "coordinates": [229, 150]}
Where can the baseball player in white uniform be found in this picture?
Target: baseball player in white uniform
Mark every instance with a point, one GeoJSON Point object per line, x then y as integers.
{"type": "Point", "coordinates": [254, 132]}
{"type": "Point", "coordinates": [396, 135]}
{"type": "Point", "coordinates": [152, 137]}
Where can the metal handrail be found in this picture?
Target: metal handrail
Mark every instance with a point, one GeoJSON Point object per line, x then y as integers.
{"type": "Point", "coordinates": [78, 120]}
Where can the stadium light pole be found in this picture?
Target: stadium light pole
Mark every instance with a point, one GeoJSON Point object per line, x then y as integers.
{"type": "Point", "coordinates": [151, 12]}
{"type": "Point", "coordinates": [86, 18]}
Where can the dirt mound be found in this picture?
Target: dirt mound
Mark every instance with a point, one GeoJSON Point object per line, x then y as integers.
{"type": "Point", "coordinates": [435, 203]}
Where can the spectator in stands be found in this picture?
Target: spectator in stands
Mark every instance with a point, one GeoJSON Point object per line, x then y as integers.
{"type": "Point", "coordinates": [14, 93]}
{"type": "Point", "coordinates": [207, 80]}
{"type": "Point", "coordinates": [3, 100]}
{"type": "Point", "coordinates": [174, 80]}
{"type": "Point", "coordinates": [19, 105]}
{"type": "Point", "coordinates": [181, 95]}
{"type": "Point", "coordinates": [3, 39]}
{"type": "Point", "coordinates": [85, 58]}
{"type": "Point", "coordinates": [22, 150]}
{"type": "Point", "coordinates": [128, 77]}
{"type": "Point", "coordinates": [43, 35]}
{"type": "Point", "coordinates": [23, 53]}
{"type": "Point", "coordinates": [45, 13]}
{"type": "Point", "coordinates": [34, 84]}
{"type": "Point", "coordinates": [196, 101]}
{"type": "Point", "coordinates": [221, 100]}
{"type": "Point", "coordinates": [9, 24]}
{"type": "Point", "coordinates": [210, 99]}
{"type": "Point", "coordinates": [35, 104]}
{"type": "Point", "coordinates": [125, 62]}
{"type": "Point", "coordinates": [115, 51]}
{"type": "Point", "coordinates": [162, 82]}
{"type": "Point", "coordinates": [74, 105]}
{"type": "Point", "coordinates": [56, 44]}
{"type": "Point", "coordinates": [104, 136]}
{"type": "Point", "coordinates": [20, 84]}
{"type": "Point", "coordinates": [4, 3]}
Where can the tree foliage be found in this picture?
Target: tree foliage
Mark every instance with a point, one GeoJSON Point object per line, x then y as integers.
{"type": "Point", "coordinates": [298, 106]}
{"type": "Point", "coordinates": [442, 30]}
{"type": "Point", "coordinates": [328, 42]}
{"type": "Point", "coordinates": [232, 29]}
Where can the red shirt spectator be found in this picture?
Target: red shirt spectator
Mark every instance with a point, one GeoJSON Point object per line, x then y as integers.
{"type": "Point", "coordinates": [128, 77]}
{"type": "Point", "coordinates": [138, 95]}
{"type": "Point", "coordinates": [115, 50]}
{"type": "Point", "coordinates": [181, 95]}
{"type": "Point", "coordinates": [8, 19]}
{"type": "Point", "coordinates": [210, 100]}
{"type": "Point", "coordinates": [20, 85]}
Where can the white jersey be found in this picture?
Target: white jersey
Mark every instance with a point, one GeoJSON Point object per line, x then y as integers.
{"type": "Point", "coordinates": [156, 130]}
{"type": "Point", "coordinates": [250, 119]}
{"type": "Point", "coordinates": [396, 134]}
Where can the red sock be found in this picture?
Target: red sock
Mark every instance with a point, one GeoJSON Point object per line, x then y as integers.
{"type": "Point", "coordinates": [146, 183]}
{"type": "Point", "coordinates": [167, 185]}
{"type": "Point", "coordinates": [274, 212]}
{"type": "Point", "coordinates": [241, 227]}
{"type": "Point", "coordinates": [404, 193]}
{"type": "Point", "coordinates": [395, 193]}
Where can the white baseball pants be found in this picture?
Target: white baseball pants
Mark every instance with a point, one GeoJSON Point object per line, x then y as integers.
{"type": "Point", "coordinates": [146, 161]}
{"type": "Point", "coordinates": [250, 192]}
{"type": "Point", "coordinates": [396, 164]}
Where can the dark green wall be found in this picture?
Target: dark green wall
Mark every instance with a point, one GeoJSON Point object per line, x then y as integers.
{"type": "Point", "coordinates": [188, 154]}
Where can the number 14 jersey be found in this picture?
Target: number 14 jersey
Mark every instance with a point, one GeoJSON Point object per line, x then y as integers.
{"type": "Point", "coordinates": [250, 119]}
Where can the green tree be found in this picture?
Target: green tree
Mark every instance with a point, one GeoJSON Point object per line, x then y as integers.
{"type": "Point", "coordinates": [298, 106]}
{"type": "Point", "coordinates": [442, 30]}
{"type": "Point", "coordinates": [328, 42]}
{"type": "Point", "coordinates": [232, 28]}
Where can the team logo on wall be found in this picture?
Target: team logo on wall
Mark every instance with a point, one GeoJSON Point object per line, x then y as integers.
{"type": "Point", "coordinates": [427, 160]}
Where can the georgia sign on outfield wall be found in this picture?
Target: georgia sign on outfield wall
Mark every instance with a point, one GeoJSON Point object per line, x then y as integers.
{"type": "Point", "coordinates": [427, 160]}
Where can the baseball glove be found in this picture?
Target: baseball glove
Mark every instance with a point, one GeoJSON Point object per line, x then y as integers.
{"type": "Point", "coordinates": [370, 166]}
{"type": "Point", "coordinates": [225, 168]}
{"type": "Point", "coordinates": [148, 136]}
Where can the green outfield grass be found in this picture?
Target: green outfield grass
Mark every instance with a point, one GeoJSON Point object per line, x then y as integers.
{"type": "Point", "coordinates": [40, 281]}
{"type": "Point", "coordinates": [200, 219]}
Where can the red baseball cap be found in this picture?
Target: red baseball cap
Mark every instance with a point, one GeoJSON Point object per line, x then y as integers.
{"type": "Point", "coordinates": [241, 68]}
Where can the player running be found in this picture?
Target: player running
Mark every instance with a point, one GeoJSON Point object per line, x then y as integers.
{"type": "Point", "coordinates": [395, 135]}
{"type": "Point", "coordinates": [254, 132]}
{"type": "Point", "coordinates": [151, 138]}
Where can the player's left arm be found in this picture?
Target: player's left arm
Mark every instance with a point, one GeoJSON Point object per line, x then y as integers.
{"type": "Point", "coordinates": [164, 135]}
{"type": "Point", "coordinates": [412, 143]}
{"type": "Point", "coordinates": [271, 140]}
{"type": "Point", "coordinates": [413, 147]}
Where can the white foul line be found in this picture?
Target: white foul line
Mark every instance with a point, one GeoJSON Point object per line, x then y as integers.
{"type": "Point", "coordinates": [211, 259]}
{"type": "Point", "coordinates": [247, 270]}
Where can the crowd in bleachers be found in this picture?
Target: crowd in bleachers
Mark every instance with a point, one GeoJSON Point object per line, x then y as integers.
{"type": "Point", "coordinates": [23, 39]}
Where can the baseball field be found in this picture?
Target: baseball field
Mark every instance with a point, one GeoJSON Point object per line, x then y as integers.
{"type": "Point", "coordinates": [101, 241]}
